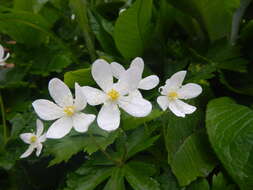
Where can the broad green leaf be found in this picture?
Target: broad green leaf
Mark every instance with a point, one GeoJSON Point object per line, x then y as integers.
{"type": "Point", "coordinates": [24, 27]}
{"type": "Point", "coordinates": [29, 5]}
{"type": "Point", "coordinates": [200, 184]}
{"type": "Point", "coordinates": [230, 130]}
{"type": "Point", "coordinates": [139, 178]}
{"type": "Point", "coordinates": [132, 29]}
{"type": "Point", "coordinates": [12, 77]}
{"type": "Point", "coordinates": [82, 77]}
{"type": "Point", "coordinates": [128, 122]}
{"type": "Point", "coordinates": [193, 159]}
{"type": "Point", "coordinates": [209, 14]}
{"type": "Point", "coordinates": [87, 177]}
{"type": "Point", "coordinates": [168, 181]}
{"type": "Point", "coordinates": [177, 130]}
{"type": "Point", "coordinates": [116, 180]}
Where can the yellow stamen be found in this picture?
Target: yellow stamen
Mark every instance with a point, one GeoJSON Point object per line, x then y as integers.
{"type": "Point", "coordinates": [113, 95]}
{"type": "Point", "coordinates": [172, 95]}
{"type": "Point", "coordinates": [33, 139]}
{"type": "Point", "coordinates": [69, 110]}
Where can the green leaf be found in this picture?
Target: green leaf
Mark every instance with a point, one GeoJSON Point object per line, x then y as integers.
{"type": "Point", "coordinates": [138, 141]}
{"type": "Point", "coordinates": [116, 180]}
{"type": "Point", "coordinates": [193, 159]}
{"type": "Point", "coordinates": [128, 122]}
{"type": "Point", "coordinates": [139, 178]}
{"type": "Point", "coordinates": [230, 130]}
{"type": "Point", "coordinates": [168, 181]}
{"type": "Point", "coordinates": [24, 27]}
{"type": "Point", "coordinates": [201, 184]}
{"type": "Point", "coordinates": [132, 29]}
{"type": "Point", "coordinates": [177, 130]}
{"type": "Point", "coordinates": [87, 177]}
{"type": "Point", "coordinates": [209, 14]}
{"type": "Point", "coordinates": [219, 182]}
{"type": "Point", "coordinates": [105, 39]}
{"type": "Point", "coordinates": [82, 77]}
{"type": "Point", "coordinates": [65, 148]}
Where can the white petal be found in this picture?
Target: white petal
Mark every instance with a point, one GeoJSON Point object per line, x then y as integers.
{"type": "Point", "coordinates": [163, 102]}
{"type": "Point", "coordinates": [60, 128]}
{"type": "Point", "coordinates": [60, 92]}
{"type": "Point", "coordinates": [1, 52]}
{"type": "Point", "coordinates": [179, 108]}
{"type": "Point", "coordinates": [186, 108]}
{"type": "Point", "coordinates": [135, 106]}
{"type": "Point", "coordinates": [47, 110]}
{"type": "Point", "coordinates": [40, 127]}
{"type": "Point", "coordinates": [26, 137]}
{"type": "Point", "coordinates": [94, 96]}
{"type": "Point", "coordinates": [28, 152]}
{"type": "Point", "coordinates": [139, 64]}
{"type": "Point", "coordinates": [128, 81]}
{"type": "Point", "coordinates": [102, 74]}
{"type": "Point", "coordinates": [189, 91]}
{"type": "Point", "coordinates": [80, 101]}
{"type": "Point", "coordinates": [39, 148]}
{"type": "Point", "coordinates": [109, 117]}
{"type": "Point", "coordinates": [173, 106]}
{"type": "Point", "coordinates": [82, 121]}
{"type": "Point", "coordinates": [135, 93]}
{"type": "Point", "coordinates": [176, 80]}
{"type": "Point", "coordinates": [43, 138]}
{"type": "Point", "coordinates": [149, 82]}
{"type": "Point", "coordinates": [117, 69]}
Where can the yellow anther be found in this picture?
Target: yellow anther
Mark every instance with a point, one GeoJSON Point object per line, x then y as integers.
{"type": "Point", "coordinates": [69, 110]}
{"type": "Point", "coordinates": [33, 139]}
{"type": "Point", "coordinates": [172, 95]}
{"type": "Point", "coordinates": [113, 95]}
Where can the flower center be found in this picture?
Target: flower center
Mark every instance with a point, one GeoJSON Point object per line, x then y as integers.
{"type": "Point", "coordinates": [33, 139]}
{"type": "Point", "coordinates": [113, 95]}
{"type": "Point", "coordinates": [69, 110]}
{"type": "Point", "coordinates": [172, 95]}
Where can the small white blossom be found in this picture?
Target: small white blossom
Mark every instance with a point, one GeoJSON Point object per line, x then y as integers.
{"type": "Point", "coordinates": [67, 110]}
{"type": "Point", "coordinates": [174, 91]}
{"type": "Point", "coordinates": [146, 83]}
{"type": "Point", "coordinates": [115, 95]}
{"type": "Point", "coordinates": [34, 139]}
{"type": "Point", "coordinates": [3, 57]}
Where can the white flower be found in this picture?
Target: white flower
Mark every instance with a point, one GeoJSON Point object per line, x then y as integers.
{"type": "Point", "coordinates": [67, 111]}
{"type": "Point", "coordinates": [2, 57]}
{"type": "Point", "coordinates": [147, 83]}
{"type": "Point", "coordinates": [115, 95]}
{"type": "Point", "coordinates": [34, 139]}
{"type": "Point", "coordinates": [173, 91]}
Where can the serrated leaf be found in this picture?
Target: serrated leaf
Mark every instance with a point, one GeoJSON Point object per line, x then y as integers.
{"type": "Point", "coordinates": [132, 27]}
{"type": "Point", "coordinates": [65, 148]}
{"type": "Point", "coordinates": [87, 177]}
{"type": "Point", "coordinates": [116, 180]}
{"type": "Point", "coordinates": [230, 130]}
{"type": "Point", "coordinates": [82, 77]}
{"type": "Point", "coordinates": [140, 180]}
{"type": "Point", "coordinates": [193, 159]}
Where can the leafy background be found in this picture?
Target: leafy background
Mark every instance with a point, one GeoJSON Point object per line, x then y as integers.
{"type": "Point", "coordinates": [211, 149]}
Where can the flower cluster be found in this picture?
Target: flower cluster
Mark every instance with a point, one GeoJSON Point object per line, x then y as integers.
{"type": "Point", "coordinates": [120, 89]}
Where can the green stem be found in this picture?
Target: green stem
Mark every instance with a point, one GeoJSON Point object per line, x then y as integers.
{"type": "Point", "coordinates": [3, 119]}
{"type": "Point", "coordinates": [79, 7]}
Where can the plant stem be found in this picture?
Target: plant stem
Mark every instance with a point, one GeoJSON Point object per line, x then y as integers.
{"type": "Point", "coordinates": [79, 7]}
{"type": "Point", "coordinates": [3, 118]}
